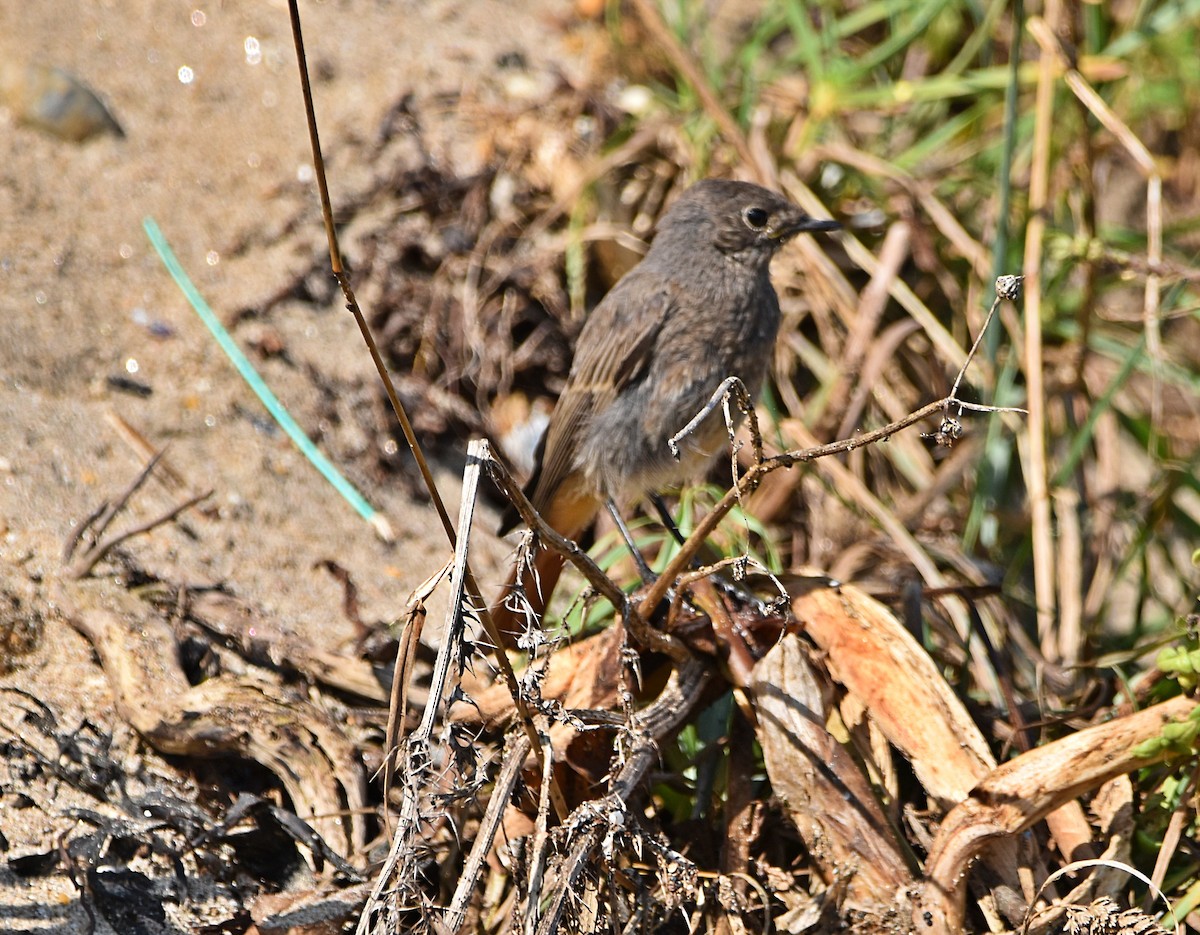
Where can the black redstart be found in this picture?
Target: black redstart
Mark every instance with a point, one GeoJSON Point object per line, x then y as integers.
{"type": "Point", "coordinates": [699, 307]}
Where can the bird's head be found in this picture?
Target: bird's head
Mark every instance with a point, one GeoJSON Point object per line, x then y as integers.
{"type": "Point", "coordinates": [743, 221]}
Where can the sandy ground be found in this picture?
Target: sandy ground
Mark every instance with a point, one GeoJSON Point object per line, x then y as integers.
{"type": "Point", "coordinates": [216, 152]}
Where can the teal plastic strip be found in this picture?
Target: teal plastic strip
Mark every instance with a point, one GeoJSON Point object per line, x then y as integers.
{"type": "Point", "coordinates": [250, 375]}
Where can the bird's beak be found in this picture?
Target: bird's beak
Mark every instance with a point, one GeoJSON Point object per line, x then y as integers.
{"type": "Point", "coordinates": [801, 223]}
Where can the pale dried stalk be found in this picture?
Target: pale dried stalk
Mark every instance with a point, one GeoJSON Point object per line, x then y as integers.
{"type": "Point", "coordinates": [1035, 464]}
{"type": "Point", "coordinates": [418, 760]}
{"type": "Point", "coordinates": [1050, 45]}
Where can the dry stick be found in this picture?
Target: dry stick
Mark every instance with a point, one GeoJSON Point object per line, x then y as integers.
{"type": "Point", "coordinates": [1036, 468]}
{"type": "Point", "coordinates": [575, 861]}
{"type": "Point", "coordinates": [1065, 502]}
{"type": "Point", "coordinates": [406, 655]}
{"type": "Point", "coordinates": [99, 515]}
{"type": "Point", "coordinates": [506, 782]}
{"type": "Point", "coordinates": [88, 560]}
{"type": "Point", "coordinates": [141, 446]}
{"type": "Point", "coordinates": [730, 386]}
{"type": "Point", "coordinates": [650, 637]}
{"type": "Point", "coordinates": [1051, 45]}
{"type": "Point", "coordinates": [1007, 287]}
{"type": "Point", "coordinates": [683, 691]}
{"type": "Point", "coordinates": [343, 279]}
{"type": "Point", "coordinates": [101, 518]}
{"type": "Point", "coordinates": [546, 534]}
{"type": "Point", "coordinates": [740, 661]}
{"type": "Point", "coordinates": [739, 658]}
{"type": "Point", "coordinates": [738, 809]}
{"type": "Point", "coordinates": [541, 852]}
{"type": "Point", "coordinates": [749, 481]}
{"type": "Point", "coordinates": [418, 744]}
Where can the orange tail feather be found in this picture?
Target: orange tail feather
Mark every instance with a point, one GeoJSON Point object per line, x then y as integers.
{"type": "Point", "coordinates": [569, 513]}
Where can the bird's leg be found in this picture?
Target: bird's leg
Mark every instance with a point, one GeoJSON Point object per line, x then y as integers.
{"type": "Point", "coordinates": [665, 517]}
{"type": "Point", "coordinates": [644, 571]}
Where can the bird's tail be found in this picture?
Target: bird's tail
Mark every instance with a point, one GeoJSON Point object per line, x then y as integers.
{"type": "Point", "coordinates": [530, 584]}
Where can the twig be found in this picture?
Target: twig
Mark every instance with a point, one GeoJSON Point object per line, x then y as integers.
{"type": "Point", "coordinates": [1170, 841]}
{"type": "Point", "coordinates": [741, 662]}
{"type": "Point", "coordinates": [546, 534]}
{"type": "Point", "coordinates": [1007, 287]}
{"type": "Point", "coordinates": [635, 618]}
{"type": "Point", "coordinates": [102, 517]}
{"type": "Point", "coordinates": [95, 554]}
{"type": "Point", "coordinates": [418, 758]}
{"type": "Point", "coordinates": [343, 279]}
{"type": "Point", "coordinates": [727, 388]}
{"type": "Point", "coordinates": [406, 654]}
{"type": "Point", "coordinates": [541, 849]}
{"type": "Point", "coordinates": [166, 475]}
{"type": "Point", "coordinates": [77, 534]}
{"type": "Point", "coordinates": [1035, 464]}
{"type": "Point", "coordinates": [514, 759]}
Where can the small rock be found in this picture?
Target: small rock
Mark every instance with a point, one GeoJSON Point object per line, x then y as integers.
{"type": "Point", "coordinates": [55, 101]}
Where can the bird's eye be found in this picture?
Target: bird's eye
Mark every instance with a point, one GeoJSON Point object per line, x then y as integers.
{"type": "Point", "coordinates": [756, 218]}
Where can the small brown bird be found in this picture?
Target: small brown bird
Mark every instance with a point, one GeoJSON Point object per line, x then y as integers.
{"type": "Point", "coordinates": [699, 307]}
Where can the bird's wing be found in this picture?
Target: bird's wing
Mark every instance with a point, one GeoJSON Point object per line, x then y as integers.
{"type": "Point", "coordinates": [613, 351]}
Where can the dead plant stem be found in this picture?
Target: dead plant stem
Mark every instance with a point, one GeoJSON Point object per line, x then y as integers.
{"type": "Point", "coordinates": [683, 558]}
{"type": "Point", "coordinates": [1035, 463]}
{"type": "Point", "coordinates": [472, 586]}
{"type": "Point", "coordinates": [510, 771]}
{"type": "Point", "coordinates": [678, 698]}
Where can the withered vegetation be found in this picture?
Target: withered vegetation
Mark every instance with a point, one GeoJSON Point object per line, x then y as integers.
{"type": "Point", "coordinates": [884, 703]}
